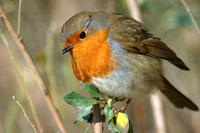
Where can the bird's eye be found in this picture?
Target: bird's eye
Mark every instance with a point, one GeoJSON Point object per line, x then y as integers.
{"type": "Point", "coordinates": [82, 35]}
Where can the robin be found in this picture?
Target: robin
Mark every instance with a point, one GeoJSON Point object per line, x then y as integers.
{"type": "Point", "coordinates": [115, 53]}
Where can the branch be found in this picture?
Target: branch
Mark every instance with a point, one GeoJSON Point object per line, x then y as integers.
{"type": "Point", "coordinates": [34, 70]}
{"type": "Point", "coordinates": [25, 115]}
{"type": "Point", "coordinates": [19, 17]}
{"type": "Point", "coordinates": [16, 65]}
{"type": "Point", "coordinates": [155, 99]}
{"type": "Point", "coordinates": [98, 124]}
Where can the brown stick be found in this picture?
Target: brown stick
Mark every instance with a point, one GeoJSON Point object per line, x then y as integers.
{"type": "Point", "coordinates": [155, 99]}
{"type": "Point", "coordinates": [34, 70]}
{"type": "Point", "coordinates": [98, 124]}
{"type": "Point", "coordinates": [25, 86]}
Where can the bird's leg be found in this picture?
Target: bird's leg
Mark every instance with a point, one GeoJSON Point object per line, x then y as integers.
{"type": "Point", "coordinates": [117, 99]}
{"type": "Point", "coordinates": [125, 106]}
{"type": "Point", "coordinates": [122, 110]}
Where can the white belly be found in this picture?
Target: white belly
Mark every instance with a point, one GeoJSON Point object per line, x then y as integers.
{"type": "Point", "coordinates": [134, 77]}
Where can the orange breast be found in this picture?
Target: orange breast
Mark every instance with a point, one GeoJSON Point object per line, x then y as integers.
{"type": "Point", "coordinates": [92, 57]}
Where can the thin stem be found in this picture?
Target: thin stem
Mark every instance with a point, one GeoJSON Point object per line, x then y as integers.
{"type": "Point", "coordinates": [25, 115]}
{"type": "Point", "coordinates": [30, 101]}
{"type": "Point", "coordinates": [19, 17]}
{"type": "Point", "coordinates": [34, 70]}
{"type": "Point", "coordinates": [191, 16]}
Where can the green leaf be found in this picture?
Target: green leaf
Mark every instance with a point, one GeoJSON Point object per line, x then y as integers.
{"type": "Point", "coordinates": [78, 101]}
{"type": "Point", "coordinates": [108, 111]}
{"type": "Point", "coordinates": [92, 90]}
{"type": "Point", "coordinates": [130, 130]}
{"type": "Point", "coordinates": [112, 125]}
{"type": "Point", "coordinates": [84, 114]}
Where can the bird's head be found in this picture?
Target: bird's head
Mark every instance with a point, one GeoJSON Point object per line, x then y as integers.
{"type": "Point", "coordinates": [84, 28]}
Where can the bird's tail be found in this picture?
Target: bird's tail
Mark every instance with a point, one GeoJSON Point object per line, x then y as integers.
{"type": "Point", "coordinates": [176, 97]}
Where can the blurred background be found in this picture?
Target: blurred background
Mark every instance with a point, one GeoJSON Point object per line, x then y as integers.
{"type": "Point", "coordinates": [41, 22]}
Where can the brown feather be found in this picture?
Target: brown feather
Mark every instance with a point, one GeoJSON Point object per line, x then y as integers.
{"type": "Point", "coordinates": [135, 38]}
{"type": "Point", "coordinates": [156, 48]}
{"type": "Point", "coordinates": [176, 97]}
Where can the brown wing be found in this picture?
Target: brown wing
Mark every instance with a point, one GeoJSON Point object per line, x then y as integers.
{"type": "Point", "coordinates": [156, 48]}
{"type": "Point", "coordinates": [135, 38]}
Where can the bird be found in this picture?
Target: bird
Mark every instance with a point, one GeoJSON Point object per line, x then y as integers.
{"type": "Point", "coordinates": [117, 54]}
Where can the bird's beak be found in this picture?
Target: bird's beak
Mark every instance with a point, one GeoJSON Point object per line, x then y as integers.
{"type": "Point", "coordinates": [66, 49]}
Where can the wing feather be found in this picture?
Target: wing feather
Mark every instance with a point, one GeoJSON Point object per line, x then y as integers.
{"type": "Point", "coordinates": [135, 38]}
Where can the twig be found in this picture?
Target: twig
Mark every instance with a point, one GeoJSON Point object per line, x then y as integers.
{"type": "Point", "coordinates": [25, 115]}
{"type": "Point", "coordinates": [190, 14]}
{"type": "Point", "coordinates": [30, 101]}
{"type": "Point", "coordinates": [98, 124]}
{"type": "Point", "coordinates": [34, 70]}
{"type": "Point", "coordinates": [155, 99]}
{"type": "Point", "coordinates": [19, 17]}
